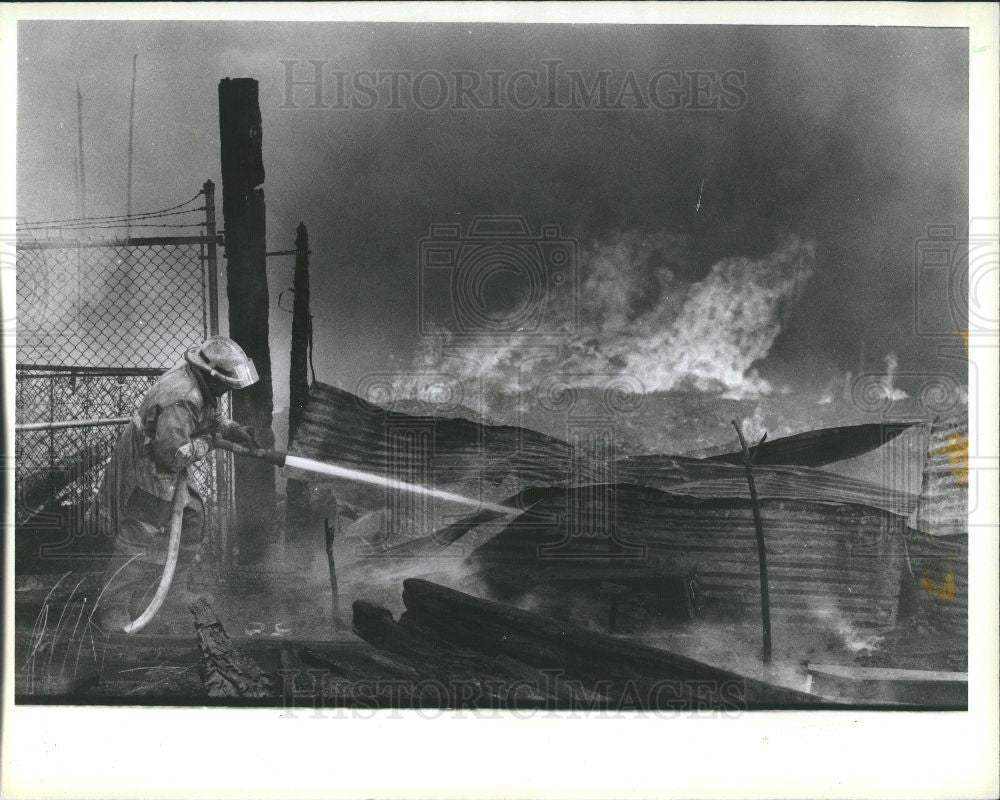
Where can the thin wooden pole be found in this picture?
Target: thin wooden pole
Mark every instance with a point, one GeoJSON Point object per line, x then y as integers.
{"type": "Point", "coordinates": [765, 603]}
{"type": "Point", "coordinates": [76, 175]}
{"type": "Point", "coordinates": [298, 379]}
{"type": "Point", "coordinates": [330, 534]}
{"type": "Point", "coordinates": [131, 136]}
{"type": "Point", "coordinates": [297, 509]}
{"type": "Point", "coordinates": [79, 148]}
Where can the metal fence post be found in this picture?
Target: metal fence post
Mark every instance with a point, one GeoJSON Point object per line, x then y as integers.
{"type": "Point", "coordinates": [224, 507]}
{"type": "Point", "coordinates": [211, 259]}
{"type": "Point", "coordinates": [52, 438]}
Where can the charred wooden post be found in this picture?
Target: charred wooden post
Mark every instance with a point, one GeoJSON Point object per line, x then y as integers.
{"type": "Point", "coordinates": [765, 604]}
{"type": "Point", "coordinates": [298, 377]}
{"type": "Point", "coordinates": [330, 534]}
{"type": "Point", "coordinates": [225, 671]}
{"type": "Point", "coordinates": [246, 275]}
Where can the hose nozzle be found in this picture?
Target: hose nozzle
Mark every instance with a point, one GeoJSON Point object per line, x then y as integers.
{"type": "Point", "coordinates": [276, 457]}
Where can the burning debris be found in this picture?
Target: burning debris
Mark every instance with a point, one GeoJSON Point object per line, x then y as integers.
{"type": "Point", "coordinates": [840, 552]}
{"type": "Point", "coordinates": [655, 549]}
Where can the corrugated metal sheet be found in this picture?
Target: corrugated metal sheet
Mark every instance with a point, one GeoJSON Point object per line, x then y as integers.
{"type": "Point", "coordinates": [938, 572]}
{"type": "Point", "coordinates": [939, 553]}
{"type": "Point", "coordinates": [495, 462]}
{"type": "Point", "coordinates": [835, 545]}
{"type": "Point", "coordinates": [824, 559]}
{"type": "Point", "coordinates": [944, 495]}
{"type": "Point", "coordinates": [703, 478]}
{"type": "Point", "coordinates": [469, 458]}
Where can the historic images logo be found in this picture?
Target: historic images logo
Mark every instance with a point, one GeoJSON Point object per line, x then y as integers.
{"type": "Point", "coordinates": [546, 86]}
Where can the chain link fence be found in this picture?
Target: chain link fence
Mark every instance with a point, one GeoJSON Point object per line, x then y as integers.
{"type": "Point", "coordinates": [97, 322]}
{"type": "Point", "coordinates": [108, 305]}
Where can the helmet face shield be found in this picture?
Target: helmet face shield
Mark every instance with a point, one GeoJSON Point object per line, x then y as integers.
{"type": "Point", "coordinates": [224, 360]}
{"type": "Point", "coordinates": [243, 375]}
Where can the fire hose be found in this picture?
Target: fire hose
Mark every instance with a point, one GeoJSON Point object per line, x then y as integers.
{"type": "Point", "coordinates": [173, 549]}
{"type": "Point", "coordinates": [276, 457]}
{"type": "Point", "coordinates": [279, 459]}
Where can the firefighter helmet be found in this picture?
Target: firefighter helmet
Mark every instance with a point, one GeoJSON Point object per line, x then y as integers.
{"type": "Point", "coordinates": [222, 358]}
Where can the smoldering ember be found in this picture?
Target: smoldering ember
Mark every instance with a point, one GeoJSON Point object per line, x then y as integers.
{"type": "Point", "coordinates": [470, 408]}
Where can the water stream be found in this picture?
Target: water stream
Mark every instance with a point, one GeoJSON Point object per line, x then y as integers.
{"type": "Point", "coordinates": [309, 465]}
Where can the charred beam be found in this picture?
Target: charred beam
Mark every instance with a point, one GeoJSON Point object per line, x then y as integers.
{"type": "Point", "coordinates": [298, 377]}
{"type": "Point", "coordinates": [246, 275]}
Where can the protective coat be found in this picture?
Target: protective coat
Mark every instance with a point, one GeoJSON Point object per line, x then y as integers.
{"type": "Point", "coordinates": [178, 408]}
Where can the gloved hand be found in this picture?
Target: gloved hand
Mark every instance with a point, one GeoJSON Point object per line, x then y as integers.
{"type": "Point", "coordinates": [242, 435]}
{"type": "Point", "coordinates": [188, 453]}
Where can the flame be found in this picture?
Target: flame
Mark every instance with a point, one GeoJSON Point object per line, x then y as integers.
{"type": "Point", "coordinates": [957, 453]}
{"type": "Point", "coordinates": [942, 590]}
{"type": "Point", "coordinates": [639, 317]}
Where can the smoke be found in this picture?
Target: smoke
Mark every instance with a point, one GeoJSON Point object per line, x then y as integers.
{"type": "Point", "coordinates": [838, 628]}
{"type": "Point", "coordinates": [641, 315]}
{"type": "Point", "coordinates": [889, 381]}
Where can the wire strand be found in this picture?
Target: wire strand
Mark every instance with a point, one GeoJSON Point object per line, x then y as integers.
{"type": "Point", "coordinates": [120, 216]}
{"type": "Point", "coordinates": [135, 219]}
{"type": "Point", "coordinates": [120, 225]}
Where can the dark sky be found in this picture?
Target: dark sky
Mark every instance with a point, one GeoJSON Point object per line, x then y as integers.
{"type": "Point", "coordinates": [854, 139]}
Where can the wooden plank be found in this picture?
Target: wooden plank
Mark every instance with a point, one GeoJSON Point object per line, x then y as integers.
{"type": "Point", "coordinates": [926, 688]}
{"type": "Point", "coordinates": [851, 672]}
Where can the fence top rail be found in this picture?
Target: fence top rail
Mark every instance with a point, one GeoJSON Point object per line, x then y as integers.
{"type": "Point", "coordinates": [57, 370]}
{"type": "Point", "coordinates": [141, 241]}
{"type": "Point", "coordinates": [81, 423]}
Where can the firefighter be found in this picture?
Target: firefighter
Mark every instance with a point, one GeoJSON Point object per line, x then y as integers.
{"type": "Point", "coordinates": [171, 430]}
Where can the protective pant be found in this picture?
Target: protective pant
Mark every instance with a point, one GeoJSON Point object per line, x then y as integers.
{"type": "Point", "coordinates": [144, 527]}
{"type": "Point", "coordinates": [140, 552]}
